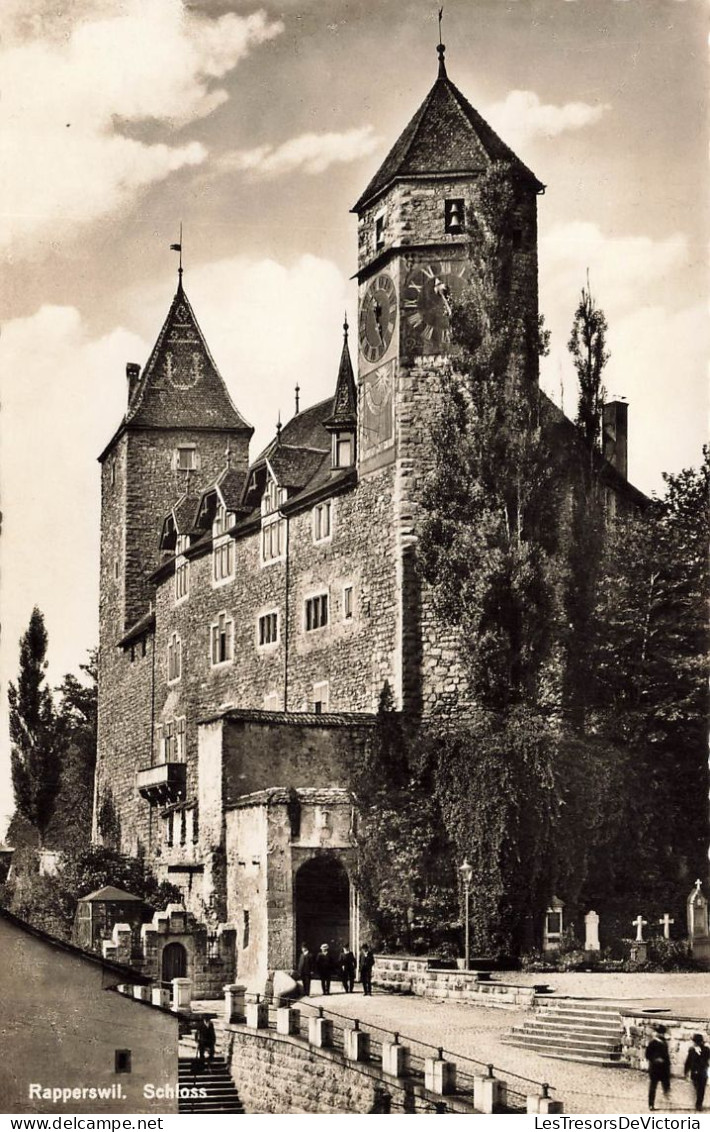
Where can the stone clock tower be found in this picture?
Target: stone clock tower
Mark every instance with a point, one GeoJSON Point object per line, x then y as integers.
{"type": "Point", "coordinates": [415, 256]}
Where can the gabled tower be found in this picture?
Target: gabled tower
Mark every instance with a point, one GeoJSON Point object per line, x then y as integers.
{"type": "Point", "coordinates": [179, 421]}
{"type": "Point", "coordinates": [417, 233]}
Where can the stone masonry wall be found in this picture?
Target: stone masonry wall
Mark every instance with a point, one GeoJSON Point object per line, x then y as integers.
{"type": "Point", "coordinates": [638, 1031]}
{"type": "Point", "coordinates": [409, 975]}
{"type": "Point", "coordinates": [274, 1073]}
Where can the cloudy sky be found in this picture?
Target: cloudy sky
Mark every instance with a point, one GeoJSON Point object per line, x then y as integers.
{"type": "Point", "coordinates": [258, 126]}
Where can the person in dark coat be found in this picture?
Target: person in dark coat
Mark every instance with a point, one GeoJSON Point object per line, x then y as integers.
{"type": "Point", "coordinates": [348, 967]}
{"type": "Point", "coordinates": [367, 962]}
{"type": "Point", "coordinates": [659, 1065]}
{"type": "Point", "coordinates": [696, 1064]}
{"type": "Point", "coordinates": [305, 968]}
{"type": "Point", "coordinates": [324, 967]}
{"type": "Point", "coordinates": [210, 1039]}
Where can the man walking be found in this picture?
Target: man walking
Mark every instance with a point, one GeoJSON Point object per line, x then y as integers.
{"type": "Point", "coordinates": [659, 1065]}
{"type": "Point", "coordinates": [324, 967]}
{"type": "Point", "coordinates": [367, 962]}
{"type": "Point", "coordinates": [696, 1064]}
{"type": "Point", "coordinates": [305, 968]}
{"type": "Point", "coordinates": [348, 966]}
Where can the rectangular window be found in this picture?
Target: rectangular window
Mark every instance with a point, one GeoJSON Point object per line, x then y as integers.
{"type": "Point", "coordinates": [223, 560]}
{"type": "Point", "coordinates": [454, 216]}
{"type": "Point", "coordinates": [174, 658]}
{"type": "Point", "coordinates": [186, 458]}
{"type": "Point", "coordinates": [159, 753]}
{"type": "Point", "coordinates": [316, 612]}
{"type": "Point", "coordinates": [222, 640]}
{"type": "Point", "coordinates": [169, 742]}
{"type": "Point", "coordinates": [273, 540]}
{"type": "Point", "coordinates": [379, 232]}
{"type": "Point", "coordinates": [122, 1061]}
{"type": "Point", "coordinates": [170, 828]}
{"type": "Point", "coordinates": [347, 603]}
{"type": "Point", "coordinates": [183, 827]}
{"type": "Point", "coordinates": [321, 697]}
{"type": "Point", "coordinates": [195, 825]}
{"type": "Point", "coordinates": [245, 929]}
{"type": "Point", "coordinates": [181, 739]}
{"type": "Point", "coordinates": [269, 629]}
{"type": "Point", "coordinates": [321, 521]}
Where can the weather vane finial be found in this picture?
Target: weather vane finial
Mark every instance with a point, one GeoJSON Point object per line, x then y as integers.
{"type": "Point", "coordinates": [178, 248]}
{"type": "Point", "coordinates": [346, 326]}
{"type": "Point", "coordinates": [441, 49]}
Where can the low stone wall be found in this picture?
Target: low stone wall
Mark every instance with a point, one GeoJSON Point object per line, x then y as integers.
{"type": "Point", "coordinates": [638, 1031]}
{"type": "Point", "coordinates": [280, 1074]}
{"type": "Point", "coordinates": [417, 975]}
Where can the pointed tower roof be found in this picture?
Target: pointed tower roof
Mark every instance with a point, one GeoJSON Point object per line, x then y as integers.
{"type": "Point", "coordinates": [344, 411]}
{"type": "Point", "coordinates": [180, 386]}
{"type": "Point", "coordinates": [446, 136]}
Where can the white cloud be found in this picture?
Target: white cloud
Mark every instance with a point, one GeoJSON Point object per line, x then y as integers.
{"type": "Point", "coordinates": [72, 92]}
{"type": "Point", "coordinates": [310, 153]}
{"type": "Point", "coordinates": [658, 340]}
{"type": "Point", "coordinates": [523, 117]}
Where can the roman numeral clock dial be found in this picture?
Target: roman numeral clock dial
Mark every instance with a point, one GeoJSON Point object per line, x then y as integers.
{"type": "Point", "coordinates": [430, 293]}
{"type": "Point", "coordinates": [378, 314]}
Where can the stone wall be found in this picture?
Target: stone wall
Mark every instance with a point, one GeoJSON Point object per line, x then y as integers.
{"type": "Point", "coordinates": [414, 975]}
{"type": "Point", "coordinates": [280, 1074]}
{"type": "Point", "coordinates": [638, 1031]}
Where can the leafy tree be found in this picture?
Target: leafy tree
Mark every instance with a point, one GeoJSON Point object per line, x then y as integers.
{"type": "Point", "coordinates": [36, 740]}
{"type": "Point", "coordinates": [587, 345]}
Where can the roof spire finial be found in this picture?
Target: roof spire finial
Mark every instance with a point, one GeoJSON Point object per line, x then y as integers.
{"type": "Point", "coordinates": [346, 326]}
{"type": "Point", "coordinates": [441, 49]}
{"type": "Point", "coordinates": [178, 248]}
{"type": "Point", "coordinates": [298, 400]}
{"type": "Point", "coordinates": [228, 454]}
{"type": "Point", "coordinates": [278, 428]}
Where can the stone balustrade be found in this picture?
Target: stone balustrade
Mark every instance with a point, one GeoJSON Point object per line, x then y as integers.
{"type": "Point", "coordinates": [421, 976]}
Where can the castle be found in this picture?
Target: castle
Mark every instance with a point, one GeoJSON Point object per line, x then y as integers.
{"type": "Point", "coordinates": [251, 611]}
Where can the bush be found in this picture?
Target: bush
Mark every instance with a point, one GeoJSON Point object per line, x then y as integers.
{"type": "Point", "coordinates": [665, 955]}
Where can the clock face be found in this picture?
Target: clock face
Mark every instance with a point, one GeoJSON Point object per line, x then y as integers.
{"type": "Point", "coordinates": [430, 293]}
{"type": "Point", "coordinates": [378, 314]}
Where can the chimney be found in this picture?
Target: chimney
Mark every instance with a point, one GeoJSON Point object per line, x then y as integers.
{"type": "Point", "coordinates": [616, 435]}
{"type": "Point", "coordinates": [132, 374]}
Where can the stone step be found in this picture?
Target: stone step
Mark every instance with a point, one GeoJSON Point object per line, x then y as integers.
{"type": "Point", "coordinates": [561, 1042]}
{"type": "Point", "coordinates": [214, 1077]}
{"type": "Point", "coordinates": [567, 1039]}
{"type": "Point", "coordinates": [570, 1053]}
{"type": "Point", "coordinates": [610, 1033]}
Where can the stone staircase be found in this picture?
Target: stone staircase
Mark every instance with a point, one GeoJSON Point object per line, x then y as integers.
{"type": "Point", "coordinates": [573, 1030]}
{"type": "Point", "coordinates": [213, 1078]}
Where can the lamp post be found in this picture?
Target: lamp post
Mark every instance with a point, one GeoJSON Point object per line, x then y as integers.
{"type": "Point", "coordinates": [466, 872]}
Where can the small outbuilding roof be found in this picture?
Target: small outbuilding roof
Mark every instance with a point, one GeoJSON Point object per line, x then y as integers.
{"type": "Point", "coordinates": [111, 895]}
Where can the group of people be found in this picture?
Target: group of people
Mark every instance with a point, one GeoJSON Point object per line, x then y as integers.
{"type": "Point", "coordinates": [658, 1059]}
{"type": "Point", "coordinates": [326, 966]}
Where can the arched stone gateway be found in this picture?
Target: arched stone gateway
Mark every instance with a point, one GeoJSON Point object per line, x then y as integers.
{"type": "Point", "coordinates": [322, 893]}
{"type": "Point", "coordinates": [174, 963]}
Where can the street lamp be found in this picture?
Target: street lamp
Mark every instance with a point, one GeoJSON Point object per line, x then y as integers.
{"type": "Point", "coordinates": [466, 871]}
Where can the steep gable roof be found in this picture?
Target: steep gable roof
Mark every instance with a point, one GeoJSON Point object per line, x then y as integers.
{"type": "Point", "coordinates": [345, 399]}
{"type": "Point", "coordinates": [445, 136]}
{"type": "Point", "coordinates": [180, 386]}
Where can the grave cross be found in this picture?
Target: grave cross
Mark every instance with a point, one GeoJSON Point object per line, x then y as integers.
{"type": "Point", "coordinates": [639, 924]}
{"type": "Point", "coordinates": [666, 921]}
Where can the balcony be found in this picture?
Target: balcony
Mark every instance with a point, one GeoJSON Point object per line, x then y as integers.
{"type": "Point", "coordinates": [163, 784]}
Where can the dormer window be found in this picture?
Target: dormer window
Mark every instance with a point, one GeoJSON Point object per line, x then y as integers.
{"type": "Point", "coordinates": [182, 568]}
{"type": "Point", "coordinates": [273, 525]}
{"type": "Point", "coordinates": [343, 450]}
{"type": "Point", "coordinates": [380, 230]}
{"type": "Point", "coordinates": [222, 547]}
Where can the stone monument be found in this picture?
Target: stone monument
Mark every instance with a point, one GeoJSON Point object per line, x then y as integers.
{"type": "Point", "coordinates": [698, 934]}
{"type": "Point", "coordinates": [591, 931]}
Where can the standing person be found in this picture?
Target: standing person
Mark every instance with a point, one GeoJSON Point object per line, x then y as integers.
{"type": "Point", "coordinates": [348, 966]}
{"type": "Point", "coordinates": [210, 1039]}
{"type": "Point", "coordinates": [696, 1063]}
{"type": "Point", "coordinates": [324, 967]}
{"type": "Point", "coordinates": [201, 1039]}
{"type": "Point", "coordinates": [305, 968]}
{"type": "Point", "coordinates": [367, 962]}
{"type": "Point", "coordinates": [659, 1065]}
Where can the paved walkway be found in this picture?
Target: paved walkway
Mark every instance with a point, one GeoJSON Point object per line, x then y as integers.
{"type": "Point", "coordinates": [476, 1031]}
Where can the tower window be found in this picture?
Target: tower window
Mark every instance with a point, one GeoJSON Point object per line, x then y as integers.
{"type": "Point", "coordinates": [122, 1061]}
{"type": "Point", "coordinates": [186, 458]}
{"type": "Point", "coordinates": [517, 237]}
{"type": "Point", "coordinates": [222, 640]}
{"type": "Point", "coordinates": [245, 929]}
{"type": "Point", "coordinates": [222, 547]}
{"type": "Point", "coordinates": [316, 612]}
{"type": "Point", "coordinates": [348, 603]}
{"type": "Point", "coordinates": [174, 658]}
{"type": "Point", "coordinates": [380, 231]}
{"type": "Point", "coordinates": [454, 215]}
{"type": "Point", "coordinates": [322, 522]}
{"type": "Point", "coordinates": [182, 568]}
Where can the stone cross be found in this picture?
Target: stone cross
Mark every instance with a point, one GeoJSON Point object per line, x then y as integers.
{"type": "Point", "coordinates": [639, 924]}
{"type": "Point", "coordinates": [666, 921]}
